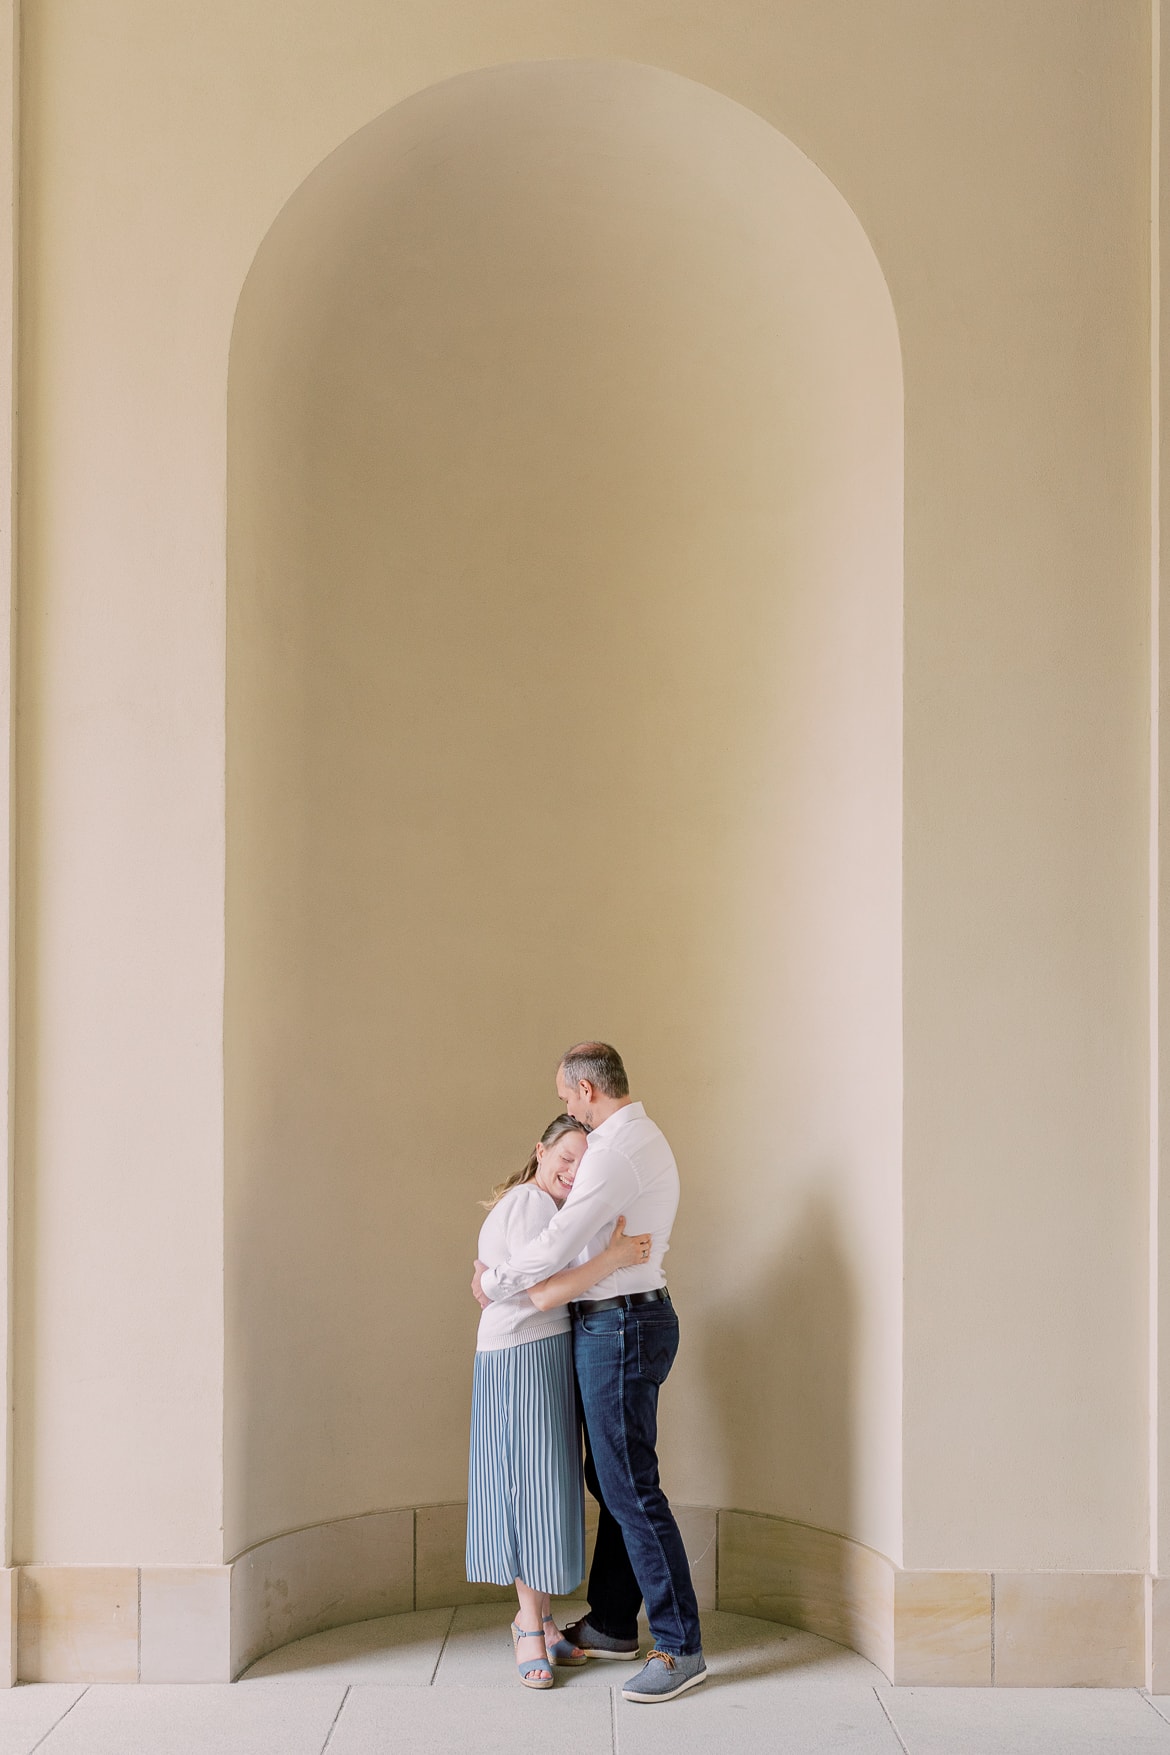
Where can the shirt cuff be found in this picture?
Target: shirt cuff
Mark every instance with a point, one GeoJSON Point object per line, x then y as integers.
{"type": "Point", "coordinates": [488, 1286]}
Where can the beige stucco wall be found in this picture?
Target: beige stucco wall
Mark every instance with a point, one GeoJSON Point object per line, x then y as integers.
{"type": "Point", "coordinates": [564, 697]}
{"type": "Point", "coordinates": [997, 158]}
{"type": "Point", "coordinates": [1026, 772]}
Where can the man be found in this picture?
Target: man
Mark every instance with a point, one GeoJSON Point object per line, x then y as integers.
{"type": "Point", "coordinates": [625, 1336]}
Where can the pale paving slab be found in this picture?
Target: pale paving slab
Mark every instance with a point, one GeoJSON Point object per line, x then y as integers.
{"type": "Point", "coordinates": [195, 1718]}
{"type": "Point", "coordinates": [29, 1711]}
{"type": "Point", "coordinates": [478, 1654]}
{"type": "Point", "coordinates": [487, 1721]}
{"type": "Point", "coordinates": [750, 1658]}
{"type": "Point", "coordinates": [801, 1721]}
{"type": "Point", "coordinates": [1026, 1721]}
{"type": "Point", "coordinates": [746, 1654]}
{"type": "Point", "coordinates": [401, 1650]}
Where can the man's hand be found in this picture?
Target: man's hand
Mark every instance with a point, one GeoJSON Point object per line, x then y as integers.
{"type": "Point", "coordinates": [477, 1291]}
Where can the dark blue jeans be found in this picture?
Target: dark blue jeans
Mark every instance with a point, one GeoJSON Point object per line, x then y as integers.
{"type": "Point", "coordinates": [622, 1357]}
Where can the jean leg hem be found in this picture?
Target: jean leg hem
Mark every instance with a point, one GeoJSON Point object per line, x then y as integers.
{"type": "Point", "coordinates": [625, 1634]}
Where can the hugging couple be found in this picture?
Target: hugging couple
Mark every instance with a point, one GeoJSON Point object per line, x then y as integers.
{"type": "Point", "coordinates": [567, 1294]}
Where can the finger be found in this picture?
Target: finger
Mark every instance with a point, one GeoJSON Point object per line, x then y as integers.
{"type": "Point", "coordinates": [619, 1226]}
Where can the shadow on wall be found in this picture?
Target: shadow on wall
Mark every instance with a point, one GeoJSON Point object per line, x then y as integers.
{"type": "Point", "coordinates": [779, 1362]}
{"type": "Point", "coordinates": [784, 1360]}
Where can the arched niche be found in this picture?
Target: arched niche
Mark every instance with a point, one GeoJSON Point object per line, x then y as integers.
{"type": "Point", "coordinates": [564, 697]}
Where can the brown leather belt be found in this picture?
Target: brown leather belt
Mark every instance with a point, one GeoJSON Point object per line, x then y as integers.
{"type": "Point", "coordinates": [624, 1300]}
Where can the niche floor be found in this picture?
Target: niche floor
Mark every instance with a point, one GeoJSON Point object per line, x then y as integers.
{"type": "Point", "coordinates": [439, 1683]}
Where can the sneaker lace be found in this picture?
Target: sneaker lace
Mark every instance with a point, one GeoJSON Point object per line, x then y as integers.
{"type": "Point", "coordinates": [666, 1657]}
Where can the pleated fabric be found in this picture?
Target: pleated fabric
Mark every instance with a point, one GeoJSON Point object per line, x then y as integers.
{"type": "Point", "coordinates": [525, 1496]}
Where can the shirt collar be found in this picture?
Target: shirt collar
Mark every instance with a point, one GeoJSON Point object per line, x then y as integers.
{"type": "Point", "coordinates": [628, 1112]}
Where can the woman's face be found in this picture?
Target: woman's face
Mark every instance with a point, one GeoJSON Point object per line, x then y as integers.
{"type": "Point", "coordinates": [558, 1164]}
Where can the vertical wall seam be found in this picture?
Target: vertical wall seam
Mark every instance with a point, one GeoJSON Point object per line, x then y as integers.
{"type": "Point", "coordinates": [15, 50]}
{"type": "Point", "coordinates": [1154, 804]}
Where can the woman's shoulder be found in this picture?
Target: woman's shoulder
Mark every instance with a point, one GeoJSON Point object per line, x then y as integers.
{"type": "Point", "coordinates": [527, 1194]}
{"type": "Point", "coordinates": [525, 1211]}
{"type": "Point", "coordinates": [520, 1214]}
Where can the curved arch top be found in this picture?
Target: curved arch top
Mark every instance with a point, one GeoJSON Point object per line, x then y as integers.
{"type": "Point", "coordinates": [564, 696]}
{"type": "Point", "coordinates": [541, 86]}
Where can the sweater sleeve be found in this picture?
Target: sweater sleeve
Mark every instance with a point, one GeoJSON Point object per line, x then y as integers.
{"type": "Point", "coordinates": [606, 1184]}
{"type": "Point", "coordinates": [525, 1216]}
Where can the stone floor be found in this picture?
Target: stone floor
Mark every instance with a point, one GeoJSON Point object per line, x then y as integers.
{"type": "Point", "coordinates": [439, 1683]}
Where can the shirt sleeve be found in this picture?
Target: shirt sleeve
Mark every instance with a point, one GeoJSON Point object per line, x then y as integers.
{"type": "Point", "coordinates": [605, 1186]}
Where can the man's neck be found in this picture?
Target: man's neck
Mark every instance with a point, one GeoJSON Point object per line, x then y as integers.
{"type": "Point", "coordinates": [607, 1106]}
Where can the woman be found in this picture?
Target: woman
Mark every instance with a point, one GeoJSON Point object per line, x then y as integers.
{"type": "Point", "coordinates": [525, 1498]}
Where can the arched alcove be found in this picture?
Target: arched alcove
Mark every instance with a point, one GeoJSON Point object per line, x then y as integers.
{"type": "Point", "coordinates": [564, 698]}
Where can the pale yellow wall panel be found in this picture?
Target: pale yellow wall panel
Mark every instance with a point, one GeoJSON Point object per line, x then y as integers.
{"type": "Point", "coordinates": [996, 157]}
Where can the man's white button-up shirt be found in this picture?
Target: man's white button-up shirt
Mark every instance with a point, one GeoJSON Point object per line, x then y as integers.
{"type": "Point", "coordinates": [628, 1168]}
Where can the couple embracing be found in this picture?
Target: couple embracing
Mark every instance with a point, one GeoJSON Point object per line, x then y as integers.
{"type": "Point", "coordinates": [567, 1294]}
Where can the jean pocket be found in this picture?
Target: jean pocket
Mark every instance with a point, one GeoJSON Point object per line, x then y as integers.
{"type": "Point", "coordinates": [657, 1346]}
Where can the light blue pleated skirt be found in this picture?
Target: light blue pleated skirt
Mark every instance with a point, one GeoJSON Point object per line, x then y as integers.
{"type": "Point", "coordinates": [525, 1496]}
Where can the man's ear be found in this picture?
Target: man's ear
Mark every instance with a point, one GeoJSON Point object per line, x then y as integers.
{"type": "Point", "coordinates": [584, 1087]}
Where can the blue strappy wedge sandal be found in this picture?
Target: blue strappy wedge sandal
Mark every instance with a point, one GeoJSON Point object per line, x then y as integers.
{"type": "Point", "coordinates": [527, 1665]}
{"type": "Point", "coordinates": [562, 1651]}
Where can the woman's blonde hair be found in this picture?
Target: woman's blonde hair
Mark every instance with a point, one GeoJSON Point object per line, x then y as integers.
{"type": "Point", "coordinates": [563, 1124]}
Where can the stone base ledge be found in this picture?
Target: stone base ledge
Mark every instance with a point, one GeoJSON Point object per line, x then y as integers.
{"type": "Point", "coordinates": [121, 1623]}
{"type": "Point", "coordinates": [940, 1629]}
{"type": "Point", "coordinates": [947, 1629]}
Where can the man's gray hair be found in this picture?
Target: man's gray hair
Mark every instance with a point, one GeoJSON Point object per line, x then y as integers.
{"type": "Point", "coordinates": [599, 1064]}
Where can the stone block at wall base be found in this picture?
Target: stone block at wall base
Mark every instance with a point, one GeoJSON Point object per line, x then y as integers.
{"type": "Point", "coordinates": [353, 1569]}
{"type": "Point", "coordinates": [1158, 1609]}
{"type": "Point", "coordinates": [1070, 1629]}
{"type": "Point", "coordinates": [184, 1624]}
{"type": "Point", "coordinates": [120, 1623]}
{"type": "Point", "coordinates": [9, 1585]}
{"type": "Point", "coordinates": [77, 1624]}
{"type": "Point", "coordinates": [808, 1578]}
{"type": "Point", "coordinates": [942, 1629]}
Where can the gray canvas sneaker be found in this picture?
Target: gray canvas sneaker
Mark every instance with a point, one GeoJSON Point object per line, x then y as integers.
{"type": "Point", "coordinates": [663, 1676]}
{"type": "Point", "coordinates": [600, 1645]}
